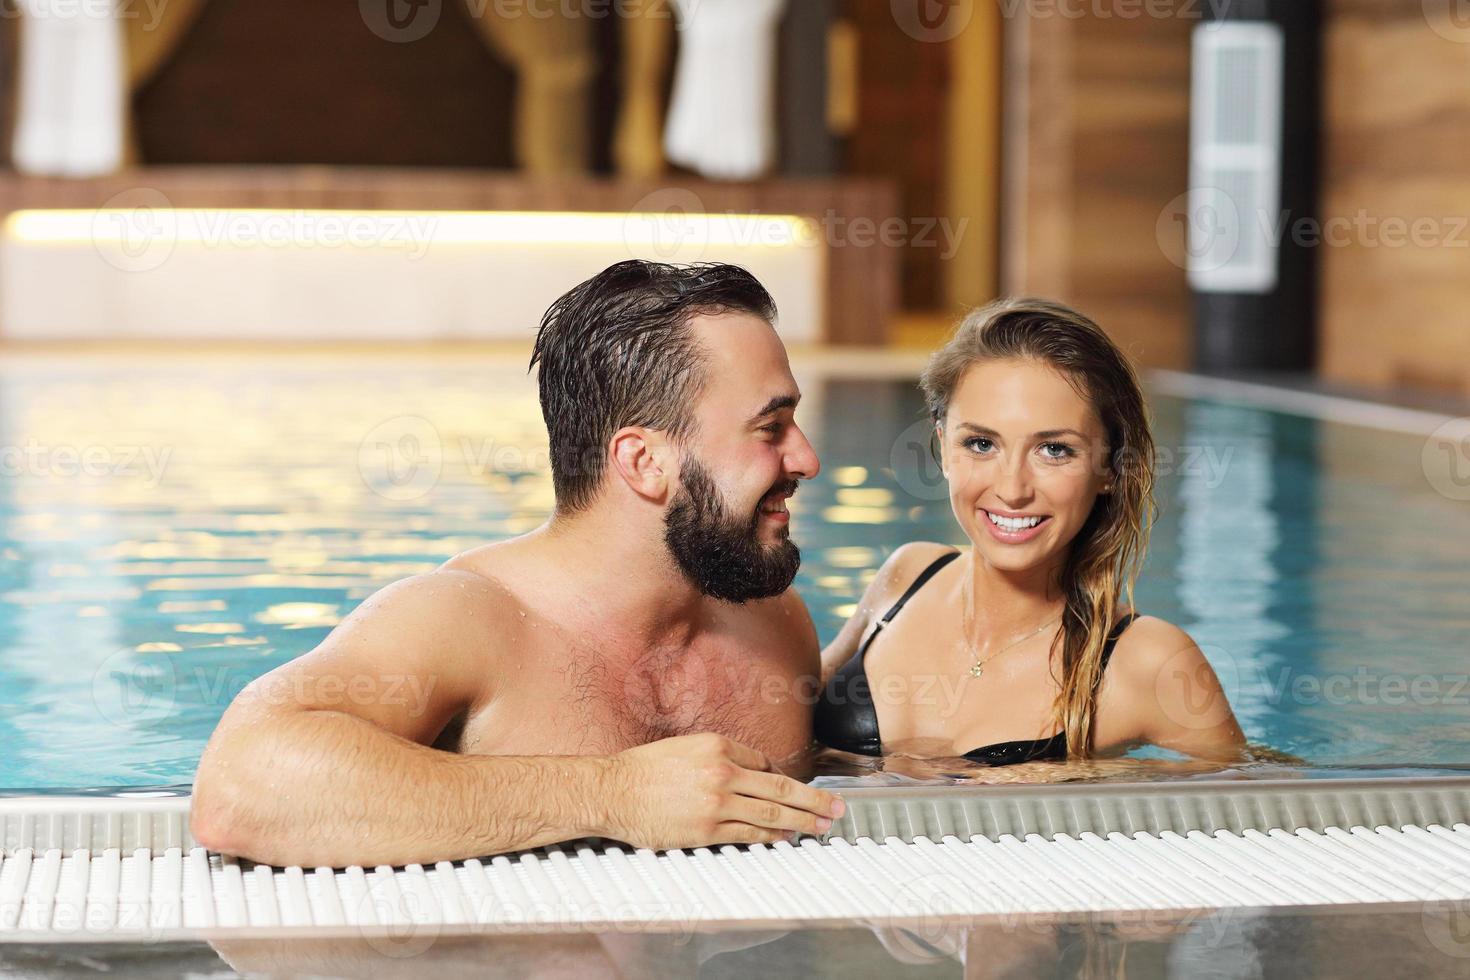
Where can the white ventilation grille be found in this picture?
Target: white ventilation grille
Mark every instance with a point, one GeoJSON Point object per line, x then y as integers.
{"type": "Point", "coordinates": [1235, 217]}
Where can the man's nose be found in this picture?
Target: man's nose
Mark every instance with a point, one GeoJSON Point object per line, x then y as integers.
{"type": "Point", "coordinates": [801, 459]}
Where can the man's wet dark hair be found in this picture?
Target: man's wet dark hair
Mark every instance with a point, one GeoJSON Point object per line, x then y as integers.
{"type": "Point", "coordinates": [617, 351]}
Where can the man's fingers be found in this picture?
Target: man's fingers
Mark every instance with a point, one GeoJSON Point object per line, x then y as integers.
{"type": "Point", "coordinates": [734, 832]}
{"type": "Point", "coordinates": [790, 792]}
{"type": "Point", "coordinates": [774, 816]}
{"type": "Point", "coordinates": [746, 757]}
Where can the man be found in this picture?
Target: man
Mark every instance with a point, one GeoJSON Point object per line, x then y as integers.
{"type": "Point", "coordinates": [633, 669]}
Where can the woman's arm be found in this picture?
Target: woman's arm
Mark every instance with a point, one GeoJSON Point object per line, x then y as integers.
{"type": "Point", "coordinates": [1169, 696]}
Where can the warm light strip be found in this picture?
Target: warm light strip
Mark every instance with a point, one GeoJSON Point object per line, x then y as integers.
{"type": "Point", "coordinates": [247, 226]}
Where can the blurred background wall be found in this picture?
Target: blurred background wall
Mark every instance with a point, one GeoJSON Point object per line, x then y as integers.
{"type": "Point", "coordinates": [1097, 139]}
{"type": "Point", "coordinates": [1017, 146]}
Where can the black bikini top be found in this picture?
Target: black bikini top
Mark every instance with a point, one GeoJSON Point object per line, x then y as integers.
{"type": "Point", "coordinates": [847, 719]}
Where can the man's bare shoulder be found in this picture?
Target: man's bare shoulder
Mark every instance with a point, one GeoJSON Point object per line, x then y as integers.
{"type": "Point", "coordinates": [447, 609]}
{"type": "Point", "coordinates": [782, 625]}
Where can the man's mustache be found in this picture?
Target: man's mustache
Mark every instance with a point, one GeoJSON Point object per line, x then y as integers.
{"type": "Point", "coordinates": [787, 487]}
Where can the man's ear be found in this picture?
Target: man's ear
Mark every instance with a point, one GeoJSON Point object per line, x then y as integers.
{"type": "Point", "coordinates": [644, 460]}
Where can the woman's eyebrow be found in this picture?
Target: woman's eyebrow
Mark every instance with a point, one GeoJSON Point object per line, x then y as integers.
{"type": "Point", "coordinates": [1047, 434]}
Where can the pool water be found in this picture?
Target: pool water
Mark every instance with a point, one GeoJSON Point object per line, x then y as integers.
{"type": "Point", "coordinates": [172, 527]}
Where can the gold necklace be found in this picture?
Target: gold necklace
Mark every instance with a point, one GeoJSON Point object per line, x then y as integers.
{"type": "Point", "coordinates": [978, 668]}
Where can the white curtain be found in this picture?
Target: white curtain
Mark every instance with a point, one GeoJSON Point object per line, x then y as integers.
{"type": "Point", "coordinates": [722, 116]}
{"type": "Point", "coordinates": [71, 114]}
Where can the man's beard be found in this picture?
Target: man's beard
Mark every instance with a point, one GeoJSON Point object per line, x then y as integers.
{"type": "Point", "coordinates": [719, 551]}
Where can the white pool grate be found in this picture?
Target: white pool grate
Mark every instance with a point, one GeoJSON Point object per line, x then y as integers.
{"type": "Point", "coordinates": [146, 881]}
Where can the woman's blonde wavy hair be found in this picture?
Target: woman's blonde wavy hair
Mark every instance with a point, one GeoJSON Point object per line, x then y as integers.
{"type": "Point", "coordinates": [1105, 557]}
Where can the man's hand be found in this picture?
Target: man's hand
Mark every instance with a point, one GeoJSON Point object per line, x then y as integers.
{"type": "Point", "coordinates": [698, 790]}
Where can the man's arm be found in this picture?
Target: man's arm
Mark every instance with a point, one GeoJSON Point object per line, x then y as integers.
{"type": "Point", "coordinates": [326, 760]}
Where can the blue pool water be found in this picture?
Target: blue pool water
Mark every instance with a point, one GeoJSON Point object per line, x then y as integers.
{"type": "Point", "coordinates": [171, 530]}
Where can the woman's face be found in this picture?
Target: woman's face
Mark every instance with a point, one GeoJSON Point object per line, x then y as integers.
{"type": "Point", "coordinates": [1026, 458]}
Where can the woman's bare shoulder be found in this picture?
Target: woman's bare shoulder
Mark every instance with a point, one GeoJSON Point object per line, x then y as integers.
{"type": "Point", "coordinates": [908, 561]}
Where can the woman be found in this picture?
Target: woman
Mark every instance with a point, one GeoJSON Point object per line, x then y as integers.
{"type": "Point", "coordinates": [1024, 646]}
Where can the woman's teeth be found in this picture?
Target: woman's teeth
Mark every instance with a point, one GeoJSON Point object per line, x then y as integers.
{"type": "Point", "coordinates": [1012, 523]}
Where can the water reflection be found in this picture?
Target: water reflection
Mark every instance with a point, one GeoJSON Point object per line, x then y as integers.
{"type": "Point", "coordinates": [173, 527]}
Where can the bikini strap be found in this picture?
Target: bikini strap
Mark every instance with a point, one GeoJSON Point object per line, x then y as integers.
{"type": "Point", "coordinates": [919, 582]}
{"type": "Point", "coordinates": [1118, 629]}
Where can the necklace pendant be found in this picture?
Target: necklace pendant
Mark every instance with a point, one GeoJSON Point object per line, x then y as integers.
{"type": "Point", "coordinates": [977, 670]}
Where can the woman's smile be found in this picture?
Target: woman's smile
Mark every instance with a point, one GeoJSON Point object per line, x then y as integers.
{"type": "Point", "coordinates": [1009, 527]}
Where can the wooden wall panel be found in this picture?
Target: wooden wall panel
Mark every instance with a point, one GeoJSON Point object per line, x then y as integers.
{"type": "Point", "coordinates": [1398, 141]}
{"type": "Point", "coordinates": [1097, 147]}
{"type": "Point", "coordinates": [287, 82]}
{"type": "Point", "coordinates": [901, 131]}
{"type": "Point", "coordinates": [1097, 133]}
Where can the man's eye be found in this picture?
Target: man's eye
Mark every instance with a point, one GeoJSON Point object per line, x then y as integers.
{"type": "Point", "coordinates": [771, 427]}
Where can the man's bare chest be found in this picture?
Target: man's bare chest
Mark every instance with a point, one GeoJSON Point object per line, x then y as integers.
{"type": "Point", "coordinates": [583, 704]}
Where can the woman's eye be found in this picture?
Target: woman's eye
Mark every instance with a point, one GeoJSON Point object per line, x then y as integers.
{"type": "Point", "coordinates": [978, 444]}
{"type": "Point", "coordinates": [1057, 450]}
